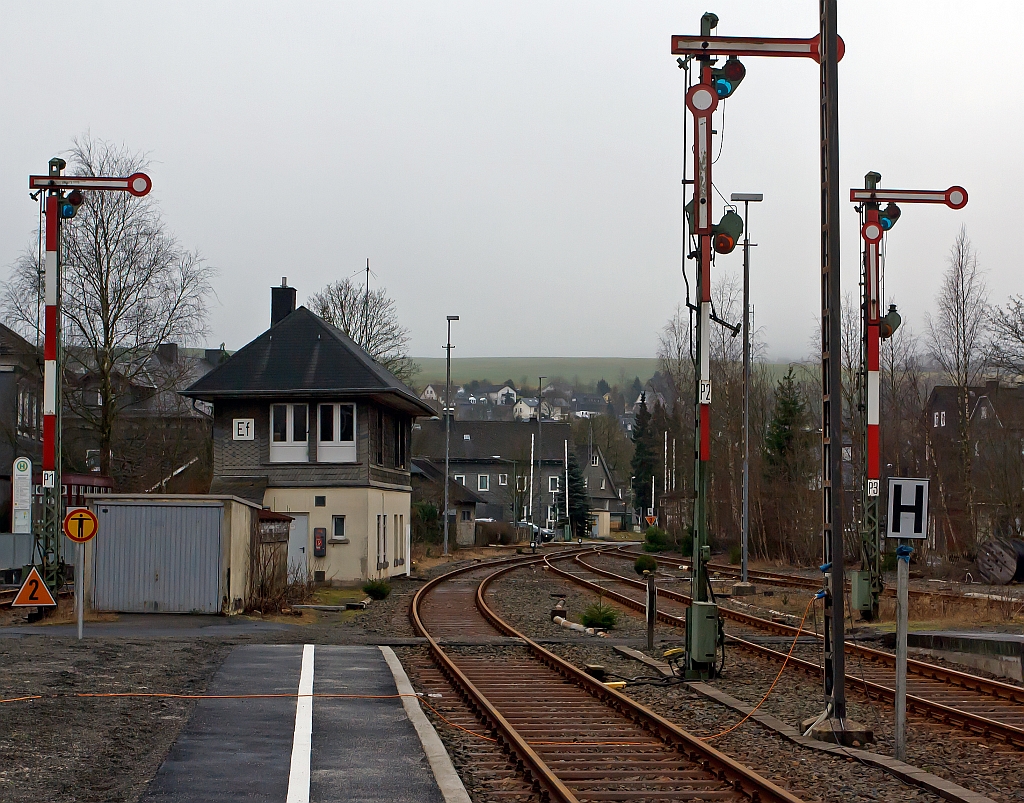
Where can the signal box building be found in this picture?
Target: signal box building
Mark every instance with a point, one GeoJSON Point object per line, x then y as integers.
{"type": "Point", "coordinates": [306, 423]}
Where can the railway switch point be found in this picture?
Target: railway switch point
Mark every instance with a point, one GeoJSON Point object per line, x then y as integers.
{"type": "Point", "coordinates": [846, 732]}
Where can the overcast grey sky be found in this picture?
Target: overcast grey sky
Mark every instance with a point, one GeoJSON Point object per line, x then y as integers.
{"type": "Point", "coordinates": [516, 163]}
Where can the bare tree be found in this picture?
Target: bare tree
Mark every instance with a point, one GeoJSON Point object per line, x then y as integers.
{"type": "Point", "coordinates": [1007, 337]}
{"type": "Point", "coordinates": [674, 350]}
{"type": "Point", "coordinates": [370, 318]}
{"type": "Point", "coordinates": [956, 339]}
{"type": "Point", "coordinates": [127, 286]}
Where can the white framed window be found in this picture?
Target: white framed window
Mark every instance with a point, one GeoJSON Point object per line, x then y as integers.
{"type": "Point", "coordinates": [336, 433]}
{"type": "Point", "coordinates": [338, 528]}
{"type": "Point", "coordinates": [551, 516]}
{"type": "Point", "coordinates": [594, 459]}
{"type": "Point", "coordinates": [483, 482]}
{"type": "Point", "coordinates": [935, 419]}
{"type": "Point", "coordinates": [521, 482]}
{"type": "Point", "coordinates": [460, 479]}
{"type": "Point", "coordinates": [553, 483]}
{"type": "Point", "coordinates": [603, 481]}
{"type": "Point", "coordinates": [942, 418]}
{"type": "Point", "coordinates": [467, 514]}
{"type": "Point", "coordinates": [503, 479]}
{"type": "Point", "coordinates": [586, 482]}
{"type": "Point", "coordinates": [289, 433]}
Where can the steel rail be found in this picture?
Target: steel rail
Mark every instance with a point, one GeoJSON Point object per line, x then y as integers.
{"type": "Point", "coordinates": [531, 764]}
{"type": "Point", "coordinates": [790, 580]}
{"type": "Point", "coordinates": [739, 777]}
{"type": "Point", "coordinates": [954, 677]}
{"type": "Point", "coordinates": [944, 713]}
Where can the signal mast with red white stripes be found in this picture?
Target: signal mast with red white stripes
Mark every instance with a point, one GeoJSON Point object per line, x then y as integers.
{"type": "Point", "coordinates": [703, 632]}
{"type": "Point", "coordinates": [64, 194]}
{"type": "Point", "coordinates": [875, 327]}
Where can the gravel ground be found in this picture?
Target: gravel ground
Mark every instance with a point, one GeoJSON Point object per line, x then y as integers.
{"type": "Point", "coordinates": [108, 749]}
{"type": "Point", "coordinates": [994, 771]}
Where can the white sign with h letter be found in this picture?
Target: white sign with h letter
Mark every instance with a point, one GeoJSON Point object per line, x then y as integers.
{"type": "Point", "coordinates": [908, 508]}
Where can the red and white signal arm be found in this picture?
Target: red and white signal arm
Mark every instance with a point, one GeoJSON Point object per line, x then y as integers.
{"type": "Point", "coordinates": [955, 197]}
{"type": "Point", "coordinates": [137, 184]}
{"type": "Point", "coordinates": [752, 46]}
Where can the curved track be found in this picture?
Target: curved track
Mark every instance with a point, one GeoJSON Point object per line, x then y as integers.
{"type": "Point", "coordinates": [976, 704]}
{"type": "Point", "coordinates": [574, 738]}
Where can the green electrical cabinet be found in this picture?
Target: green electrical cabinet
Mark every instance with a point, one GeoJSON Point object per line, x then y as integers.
{"type": "Point", "coordinates": [860, 590]}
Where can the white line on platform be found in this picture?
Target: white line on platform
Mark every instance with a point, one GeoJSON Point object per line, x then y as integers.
{"type": "Point", "coordinates": [302, 742]}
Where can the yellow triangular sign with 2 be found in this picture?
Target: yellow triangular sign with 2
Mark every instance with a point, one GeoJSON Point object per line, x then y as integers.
{"type": "Point", "coordinates": [34, 593]}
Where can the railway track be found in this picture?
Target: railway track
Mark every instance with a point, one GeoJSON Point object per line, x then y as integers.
{"type": "Point", "coordinates": [975, 704]}
{"type": "Point", "coordinates": [783, 580]}
{"type": "Point", "coordinates": [572, 737]}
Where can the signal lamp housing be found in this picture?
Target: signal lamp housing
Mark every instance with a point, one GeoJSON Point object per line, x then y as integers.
{"type": "Point", "coordinates": [727, 78]}
{"type": "Point", "coordinates": [727, 232]}
{"type": "Point", "coordinates": [890, 323]}
{"type": "Point", "coordinates": [68, 206]}
{"type": "Point", "coordinates": [888, 216]}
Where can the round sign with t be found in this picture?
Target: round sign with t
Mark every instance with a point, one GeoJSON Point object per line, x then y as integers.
{"type": "Point", "coordinates": [80, 525]}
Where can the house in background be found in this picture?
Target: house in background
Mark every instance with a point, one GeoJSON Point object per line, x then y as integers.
{"type": "Point", "coordinates": [306, 423]}
{"type": "Point", "coordinates": [428, 487]}
{"type": "Point", "coordinates": [492, 459]}
{"type": "Point", "coordinates": [21, 411]}
{"type": "Point", "coordinates": [607, 509]}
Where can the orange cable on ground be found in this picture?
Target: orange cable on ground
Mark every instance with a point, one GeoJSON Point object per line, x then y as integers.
{"type": "Point", "coordinates": [788, 655]}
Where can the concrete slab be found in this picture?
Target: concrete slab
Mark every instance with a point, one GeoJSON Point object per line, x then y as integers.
{"type": "Point", "coordinates": [362, 749]}
{"type": "Point", "coordinates": [1002, 654]}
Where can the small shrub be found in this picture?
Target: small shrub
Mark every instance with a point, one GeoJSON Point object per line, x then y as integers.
{"type": "Point", "coordinates": [600, 616]}
{"type": "Point", "coordinates": [645, 563]}
{"type": "Point", "coordinates": [686, 545]}
{"type": "Point", "coordinates": [889, 561]}
{"type": "Point", "coordinates": [735, 554]}
{"type": "Point", "coordinates": [377, 589]}
{"type": "Point", "coordinates": [655, 540]}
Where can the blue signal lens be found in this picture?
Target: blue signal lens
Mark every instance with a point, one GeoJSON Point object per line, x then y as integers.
{"type": "Point", "coordinates": [723, 88]}
{"type": "Point", "coordinates": [67, 210]}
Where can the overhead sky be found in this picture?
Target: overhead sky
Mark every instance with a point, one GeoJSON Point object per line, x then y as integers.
{"type": "Point", "coordinates": [517, 163]}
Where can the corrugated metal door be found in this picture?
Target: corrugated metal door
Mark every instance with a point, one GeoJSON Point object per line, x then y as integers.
{"type": "Point", "coordinates": [164, 558]}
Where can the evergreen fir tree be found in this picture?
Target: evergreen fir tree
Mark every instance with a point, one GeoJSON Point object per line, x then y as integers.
{"type": "Point", "coordinates": [579, 499]}
{"type": "Point", "coordinates": [602, 387]}
{"type": "Point", "coordinates": [643, 465]}
{"type": "Point", "coordinates": [786, 441]}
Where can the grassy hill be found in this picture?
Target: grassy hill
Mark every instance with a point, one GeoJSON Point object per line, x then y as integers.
{"type": "Point", "coordinates": [585, 370]}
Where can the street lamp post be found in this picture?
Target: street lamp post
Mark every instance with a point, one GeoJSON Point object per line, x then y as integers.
{"type": "Point", "coordinates": [447, 411]}
{"type": "Point", "coordinates": [747, 198]}
{"type": "Point", "coordinates": [540, 453]}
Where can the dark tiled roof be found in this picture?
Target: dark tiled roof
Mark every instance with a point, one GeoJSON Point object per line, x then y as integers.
{"type": "Point", "coordinates": [250, 488]}
{"type": "Point", "coordinates": [458, 493]}
{"type": "Point", "coordinates": [508, 439]}
{"type": "Point", "coordinates": [304, 355]}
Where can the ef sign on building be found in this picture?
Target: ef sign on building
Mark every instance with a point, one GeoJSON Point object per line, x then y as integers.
{"type": "Point", "coordinates": [908, 508]}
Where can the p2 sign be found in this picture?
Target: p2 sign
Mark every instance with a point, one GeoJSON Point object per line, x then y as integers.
{"type": "Point", "coordinates": [908, 508]}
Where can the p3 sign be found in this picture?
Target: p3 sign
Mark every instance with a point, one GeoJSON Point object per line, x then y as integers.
{"type": "Point", "coordinates": [908, 508]}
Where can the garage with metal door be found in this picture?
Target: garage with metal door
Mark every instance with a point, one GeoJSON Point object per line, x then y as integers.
{"type": "Point", "coordinates": [170, 554]}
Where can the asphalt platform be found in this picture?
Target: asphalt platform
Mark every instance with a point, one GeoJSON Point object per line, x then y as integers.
{"type": "Point", "coordinates": [255, 749]}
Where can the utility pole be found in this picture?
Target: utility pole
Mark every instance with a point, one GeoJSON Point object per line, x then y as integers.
{"type": "Point", "coordinates": [747, 198]}
{"type": "Point", "coordinates": [540, 451]}
{"type": "Point", "coordinates": [831, 368]}
{"type": "Point", "coordinates": [64, 194]}
{"type": "Point", "coordinates": [448, 410]}
{"type": "Point", "coordinates": [703, 629]}
{"type": "Point", "coordinates": [866, 584]}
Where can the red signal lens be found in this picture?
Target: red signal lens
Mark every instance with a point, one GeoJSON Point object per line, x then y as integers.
{"type": "Point", "coordinates": [734, 70]}
{"type": "Point", "coordinates": [75, 197]}
{"type": "Point", "coordinates": [723, 243]}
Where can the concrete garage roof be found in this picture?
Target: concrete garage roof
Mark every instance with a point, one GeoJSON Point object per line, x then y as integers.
{"type": "Point", "coordinates": [304, 356]}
